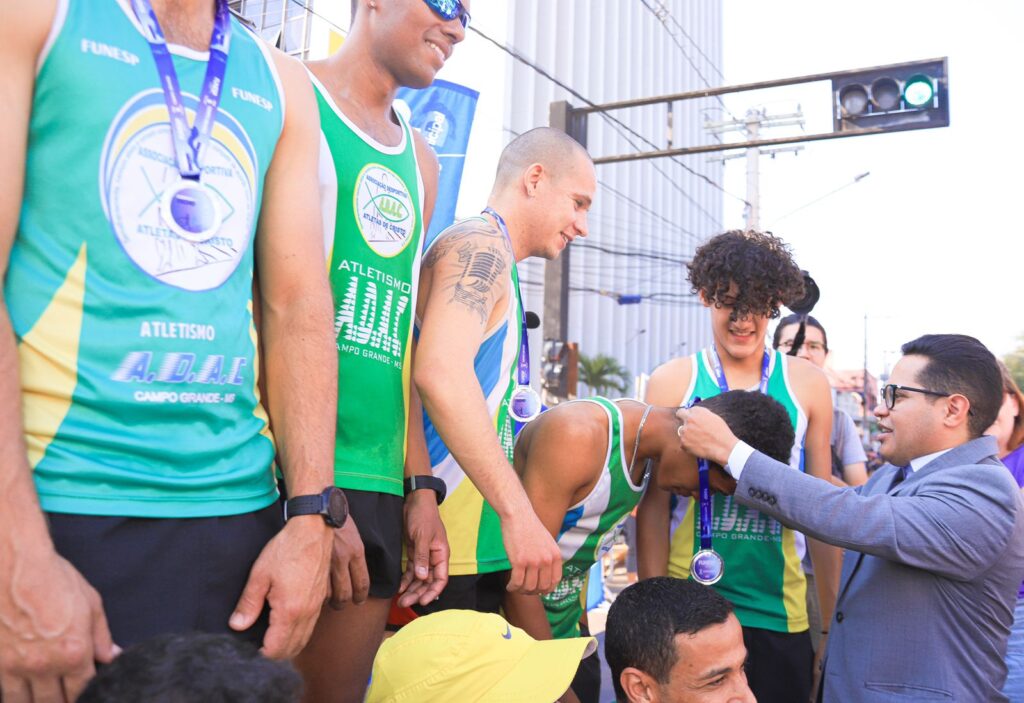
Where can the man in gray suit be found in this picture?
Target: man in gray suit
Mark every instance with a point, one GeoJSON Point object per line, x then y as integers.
{"type": "Point", "coordinates": [935, 538]}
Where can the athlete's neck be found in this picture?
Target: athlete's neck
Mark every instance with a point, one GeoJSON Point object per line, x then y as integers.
{"type": "Point", "coordinates": [362, 89]}
{"type": "Point", "coordinates": [741, 372]}
{"type": "Point", "coordinates": [506, 207]}
{"type": "Point", "coordinates": [649, 447]}
{"type": "Point", "coordinates": [186, 23]}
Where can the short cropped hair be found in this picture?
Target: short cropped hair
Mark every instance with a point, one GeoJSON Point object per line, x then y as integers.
{"type": "Point", "coordinates": [795, 320]}
{"type": "Point", "coordinates": [963, 365]}
{"type": "Point", "coordinates": [551, 147]}
{"type": "Point", "coordinates": [757, 419]}
{"type": "Point", "coordinates": [646, 617]}
{"type": "Point", "coordinates": [759, 263]}
{"type": "Point", "coordinates": [182, 668]}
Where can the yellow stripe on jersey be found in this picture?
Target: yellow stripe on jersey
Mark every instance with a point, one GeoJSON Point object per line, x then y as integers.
{"type": "Point", "coordinates": [48, 357]}
{"type": "Point", "coordinates": [460, 513]}
{"type": "Point", "coordinates": [794, 585]}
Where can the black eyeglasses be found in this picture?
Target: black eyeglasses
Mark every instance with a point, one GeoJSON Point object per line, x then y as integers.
{"type": "Point", "coordinates": [889, 393]}
{"type": "Point", "coordinates": [449, 10]}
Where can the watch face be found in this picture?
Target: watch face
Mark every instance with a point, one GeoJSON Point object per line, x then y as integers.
{"type": "Point", "coordinates": [337, 506]}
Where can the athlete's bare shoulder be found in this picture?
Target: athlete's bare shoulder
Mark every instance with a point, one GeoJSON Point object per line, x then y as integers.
{"type": "Point", "coordinates": [669, 381]}
{"type": "Point", "coordinates": [810, 384]}
{"type": "Point", "coordinates": [25, 26]}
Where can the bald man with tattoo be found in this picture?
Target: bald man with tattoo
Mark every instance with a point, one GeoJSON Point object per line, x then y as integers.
{"type": "Point", "coordinates": [470, 334]}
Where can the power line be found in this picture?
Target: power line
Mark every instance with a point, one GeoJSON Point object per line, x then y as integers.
{"type": "Point", "coordinates": [661, 15]}
{"type": "Point", "coordinates": [682, 30]}
{"type": "Point", "coordinates": [639, 253]}
{"type": "Point", "coordinates": [618, 125]}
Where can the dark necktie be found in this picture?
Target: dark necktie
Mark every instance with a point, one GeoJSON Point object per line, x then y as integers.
{"type": "Point", "coordinates": [901, 474]}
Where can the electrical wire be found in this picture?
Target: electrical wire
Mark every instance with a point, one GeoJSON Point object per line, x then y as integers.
{"type": "Point", "coordinates": [661, 17]}
{"type": "Point", "coordinates": [618, 125]}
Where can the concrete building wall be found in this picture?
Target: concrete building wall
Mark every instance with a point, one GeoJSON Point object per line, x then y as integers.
{"type": "Point", "coordinates": [657, 210]}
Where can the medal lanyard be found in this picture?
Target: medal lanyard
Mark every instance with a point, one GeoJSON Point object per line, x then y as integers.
{"type": "Point", "coordinates": [523, 365]}
{"type": "Point", "coordinates": [723, 384]}
{"type": "Point", "coordinates": [705, 504]}
{"type": "Point", "coordinates": [188, 142]}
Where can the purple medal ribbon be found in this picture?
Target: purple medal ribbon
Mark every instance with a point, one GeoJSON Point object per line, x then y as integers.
{"type": "Point", "coordinates": [189, 143]}
{"type": "Point", "coordinates": [523, 364]}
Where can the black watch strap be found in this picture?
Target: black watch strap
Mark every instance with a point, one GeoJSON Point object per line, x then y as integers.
{"type": "Point", "coordinates": [303, 505]}
{"type": "Point", "coordinates": [437, 485]}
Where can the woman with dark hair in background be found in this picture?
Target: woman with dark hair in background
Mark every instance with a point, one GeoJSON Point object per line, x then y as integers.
{"type": "Point", "coordinates": [1008, 429]}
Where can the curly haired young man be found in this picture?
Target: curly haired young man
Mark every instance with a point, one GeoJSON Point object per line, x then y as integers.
{"type": "Point", "coordinates": [743, 278]}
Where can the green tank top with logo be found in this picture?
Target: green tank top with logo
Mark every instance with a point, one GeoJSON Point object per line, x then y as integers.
{"type": "Point", "coordinates": [372, 202]}
{"type": "Point", "coordinates": [763, 578]}
{"type": "Point", "coordinates": [136, 347]}
{"type": "Point", "coordinates": [589, 527]}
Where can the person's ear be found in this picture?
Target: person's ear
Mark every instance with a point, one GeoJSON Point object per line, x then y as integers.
{"type": "Point", "coordinates": [958, 409]}
{"type": "Point", "coordinates": [638, 686]}
{"type": "Point", "coordinates": [531, 179]}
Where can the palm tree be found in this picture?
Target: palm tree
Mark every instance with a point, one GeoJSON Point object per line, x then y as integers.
{"type": "Point", "coordinates": [602, 373]}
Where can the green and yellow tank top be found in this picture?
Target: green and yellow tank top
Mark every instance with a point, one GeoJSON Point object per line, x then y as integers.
{"type": "Point", "coordinates": [137, 349]}
{"type": "Point", "coordinates": [763, 577]}
{"type": "Point", "coordinates": [589, 526]}
{"type": "Point", "coordinates": [474, 530]}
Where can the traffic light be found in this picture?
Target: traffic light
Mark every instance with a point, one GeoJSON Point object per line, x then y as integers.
{"type": "Point", "coordinates": [892, 98]}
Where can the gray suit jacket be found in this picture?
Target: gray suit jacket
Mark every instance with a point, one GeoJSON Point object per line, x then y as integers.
{"type": "Point", "coordinates": [930, 577]}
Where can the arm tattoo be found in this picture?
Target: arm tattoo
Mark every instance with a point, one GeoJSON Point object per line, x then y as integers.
{"type": "Point", "coordinates": [481, 266]}
{"type": "Point", "coordinates": [458, 233]}
{"type": "Point", "coordinates": [477, 255]}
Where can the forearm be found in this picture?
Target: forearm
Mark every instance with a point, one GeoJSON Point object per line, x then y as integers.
{"type": "Point", "coordinates": [527, 613]}
{"type": "Point", "coordinates": [459, 412]}
{"type": "Point", "coordinates": [301, 364]}
{"type": "Point", "coordinates": [22, 525]}
{"type": "Point", "coordinates": [652, 533]}
{"type": "Point", "coordinates": [417, 458]}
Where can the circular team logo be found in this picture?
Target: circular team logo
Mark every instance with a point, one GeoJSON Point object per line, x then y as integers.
{"type": "Point", "coordinates": [384, 210]}
{"type": "Point", "coordinates": [143, 196]}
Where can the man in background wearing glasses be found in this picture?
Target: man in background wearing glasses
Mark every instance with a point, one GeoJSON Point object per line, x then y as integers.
{"type": "Point", "coordinates": [378, 183]}
{"type": "Point", "coordinates": [935, 538]}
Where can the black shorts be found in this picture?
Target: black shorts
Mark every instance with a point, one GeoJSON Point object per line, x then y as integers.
{"type": "Point", "coordinates": [164, 575]}
{"type": "Point", "coordinates": [379, 517]}
{"type": "Point", "coordinates": [779, 665]}
{"type": "Point", "coordinates": [586, 684]}
{"type": "Point", "coordinates": [480, 592]}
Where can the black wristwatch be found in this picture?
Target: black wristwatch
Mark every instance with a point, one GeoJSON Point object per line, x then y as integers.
{"type": "Point", "coordinates": [415, 483]}
{"type": "Point", "coordinates": [332, 505]}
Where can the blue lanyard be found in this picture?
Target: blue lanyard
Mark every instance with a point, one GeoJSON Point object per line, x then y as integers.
{"type": "Point", "coordinates": [523, 365]}
{"type": "Point", "coordinates": [723, 384]}
{"type": "Point", "coordinates": [705, 504]}
{"type": "Point", "coordinates": [188, 142]}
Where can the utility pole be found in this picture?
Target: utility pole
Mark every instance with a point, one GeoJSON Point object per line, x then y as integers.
{"type": "Point", "coordinates": [556, 273]}
{"type": "Point", "coordinates": [751, 126]}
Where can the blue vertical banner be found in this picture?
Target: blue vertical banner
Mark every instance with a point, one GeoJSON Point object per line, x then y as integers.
{"type": "Point", "coordinates": [443, 114]}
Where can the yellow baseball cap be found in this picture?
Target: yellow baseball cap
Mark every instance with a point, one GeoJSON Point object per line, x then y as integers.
{"type": "Point", "coordinates": [466, 656]}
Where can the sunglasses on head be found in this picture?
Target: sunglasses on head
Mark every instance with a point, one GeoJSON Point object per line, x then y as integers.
{"type": "Point", "coordinates": [449, 10]}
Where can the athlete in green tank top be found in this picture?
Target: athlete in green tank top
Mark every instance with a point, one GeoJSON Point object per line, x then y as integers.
{"type": "Point", "coordinates": [378, 180]}
{"type": "Point", "coordinates": [129, 354]}
{"type": "Point", "coordinates": [743, 278]}
{"type": "Point", "coordinates": [372, 199]}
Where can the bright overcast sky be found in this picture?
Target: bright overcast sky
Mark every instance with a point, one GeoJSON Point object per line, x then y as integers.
{"type": "Point", "coordinates": [932, 240]}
